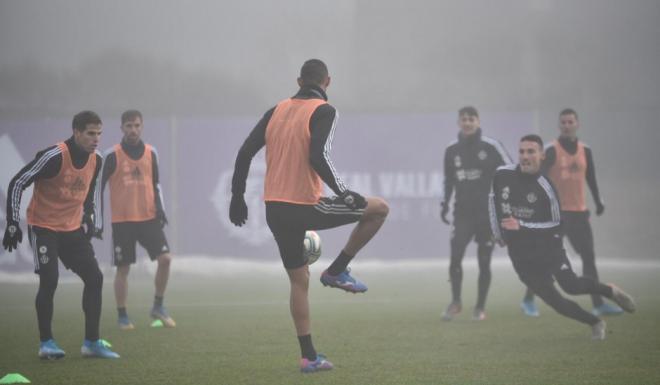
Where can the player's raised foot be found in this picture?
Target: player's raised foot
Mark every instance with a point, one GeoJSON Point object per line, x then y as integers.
{"type": "Point", "coordinates": [48, 350]}
{"type": "Point", "coordinates": [343, 281]}
{"type": "Point", "coordinates": [479, 314]}
{"type": "Point", "coordinates": [160, 313]}
{"type": "Point", "coordinates": [97, 349]}
{"type": "Point", "coordinates": [321, 363]}
{"type": "Point", "coordinates": [125, 323]}
{"type": "Point", "coordinates": [452, 311]}
{"type": "Point", "coordinates": [606, 309]}
{"type": "Point", "coordinates": [529, 308]}
{"type": "Point", "coordinates": [622, 299]}
{"type": "Point", "coordinates": [598, 331]}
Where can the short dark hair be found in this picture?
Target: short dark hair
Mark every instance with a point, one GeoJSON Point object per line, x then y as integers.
{"type": "Point", "coordinates": [469, 111]}
{"type": "Point", "coordinates": [568, 111]}
{"type": "Point", "coordinates": [130, 115]}
{"type": "Point", "coordinates": [82, 119]}
{"type": "Point", "coordinates": [313, 72]}
{"type": "Point", "coordinates": [533, 138]}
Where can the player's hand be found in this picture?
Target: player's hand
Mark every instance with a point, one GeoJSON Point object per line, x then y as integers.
{"type": "Point", "coordinates": [238, 210]}
{"type": "Point", "coordinates": [444, 210]}
{"type": "Point", "coordinates": [353, 200]}
{"type": "Point", "coordinates": [90, 229]}
{"type": "Point", "coordinates": [510, 223]}
{"type": "Point", "coordinates": [13, 236]}
{"type": "Point", "coordinates": [162, 219]}
{"type": "Point", "coordinates": [500, 242]}
{"type": "Point", "coordinates": [600, 209]}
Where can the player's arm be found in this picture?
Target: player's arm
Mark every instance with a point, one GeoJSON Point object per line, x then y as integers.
{"type": "Point", "coordinates": [591, 181]}
{"type": "Point", "coordinates": [158, 191]}
{"type": "Point", "coordinates": [238, 212]}
{"type": "Point", "coordinates": [495, 210]}
{"type": "Point", "coordinates": [92, 217]}
{"type": "Point", "coordinates": [549, 160]}
{"type": "Point", "coordinates": [45, 165]}
{"type": "Point", "coordinates": [109, 166]}
{"type": "Point", "coordinates": [449, 182]}
{"type": "Point", "coordinates": [322, 131]}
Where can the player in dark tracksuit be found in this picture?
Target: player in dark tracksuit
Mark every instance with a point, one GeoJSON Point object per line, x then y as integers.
{"type": "Point", "coordinates": [525, 215]}
{"type": "Point", "coordinates": [469, 165]}
{"type": "Point", "coordinates": [570, 167]}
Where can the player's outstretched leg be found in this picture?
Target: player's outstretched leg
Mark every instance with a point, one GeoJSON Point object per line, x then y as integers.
{"type": "Point", "coordinates": [574, 285]}
{"type": "Point", "coordinates": [551, 296]}
{"type": "Point", "coordinates": [121, 292]}
{"type": "Point", "coordinates": [338, 275]}
{"type": "Point", "coordinates": [310, 361]}
{"type": "Point", "coordinates": [88, 270]}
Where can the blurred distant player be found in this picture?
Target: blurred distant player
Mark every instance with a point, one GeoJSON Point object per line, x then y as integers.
{"type": "Point", "coordinates": [470, 163]}
{"type": "Point", "coordinates": [65, 177]}
{"type": "Point", "coordinates": [569, 164]}
{"type": "Point", "coordinates": [525, 215]}
{"type": "Point", "coordinates": [136, 203]}
{"type": "Point", "coordinates": [298, 135]}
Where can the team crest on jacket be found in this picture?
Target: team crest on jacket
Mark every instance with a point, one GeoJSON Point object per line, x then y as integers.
{"type": "Point", "coordinates": [457, 161]}
{"type": "Point", "coordinates": [505, 192]}
{"type": "Point", "coordinates": [531, 197]}
{"type": "Point", "coordinates": [482, 155]}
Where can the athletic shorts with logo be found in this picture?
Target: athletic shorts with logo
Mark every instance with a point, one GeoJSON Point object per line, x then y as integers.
{"type": "Point", "coordinates": [125, 236]}
{"type": "Point", "coordinates": [288, 222]}
{"type": "Point", "coordinates": [71, 247]}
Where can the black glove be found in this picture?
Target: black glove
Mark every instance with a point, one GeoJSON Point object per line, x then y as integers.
{"type": "Point", "coordinates": [444, 211]}
{"type": "Point", "coordinates": [13, 236]}
{"type": "Point", "coordinates": [353, 200]}
{"type": "Point", "coordinates": [90, 228]}
{"type": "Point", "coordinates": [600, 209]}
{"type": "Point", "coordinates": [238, 210]}
{"type": "Point", "coordinates": [162, 219]}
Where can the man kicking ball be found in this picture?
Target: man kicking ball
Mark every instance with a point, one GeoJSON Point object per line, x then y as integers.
{"type": "Point", "coordinates": [298, 135]}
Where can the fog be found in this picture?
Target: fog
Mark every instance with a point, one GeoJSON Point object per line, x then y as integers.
{"type": "Point", "coordinates": [220, 60]}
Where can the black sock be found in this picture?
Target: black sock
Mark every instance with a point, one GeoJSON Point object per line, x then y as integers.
{"type": "Point", "coordinates": [121, 311]}
{"type": "Point", "coordinates": [306, 347]}
{"type": "Point", "coordinates": [158, 301]}
{"type": "Point", "coordinates": [340, 264]}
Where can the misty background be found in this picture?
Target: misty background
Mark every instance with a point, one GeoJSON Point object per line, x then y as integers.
{"type": "Point", "coordinates": [221, 60]}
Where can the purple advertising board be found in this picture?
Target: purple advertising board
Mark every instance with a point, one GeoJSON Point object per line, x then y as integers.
{"type": "Point", "coordinates": [396, 157]}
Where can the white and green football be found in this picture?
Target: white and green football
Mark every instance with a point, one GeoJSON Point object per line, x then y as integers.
{"type": "Point", "coordinates": [311, 247]}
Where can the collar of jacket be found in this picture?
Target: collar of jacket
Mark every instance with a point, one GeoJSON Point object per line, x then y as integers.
{"type": "Point", "coordinates": [568, 144]}
{"type": "Point", "coordinates": [311, 92]}
{"type": "Point", "coordinates": [470, 139]}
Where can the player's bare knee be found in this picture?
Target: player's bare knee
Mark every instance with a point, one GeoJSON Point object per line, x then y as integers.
{"type": "Point", "coordinates": [165, 260]}
{"type": "Point", "coordinates": [123, 270]}
{"type": "Point", "coordinates": [378, 208]}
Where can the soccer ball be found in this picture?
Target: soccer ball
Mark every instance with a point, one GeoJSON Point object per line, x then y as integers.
{"type": "Point", "coordinates": [311, 247]}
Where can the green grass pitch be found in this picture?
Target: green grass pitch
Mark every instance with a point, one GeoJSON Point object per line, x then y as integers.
{"type": "Point", "coordinates": [236, 329]}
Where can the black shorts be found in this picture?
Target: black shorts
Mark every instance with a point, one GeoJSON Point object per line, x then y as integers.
{"type": "Point", "coordinates": [288, 223]}
{"type": "Point", "coordinates": [71, 247]}
{"type": "Point", "coordinates": [467, 227]}
{"type": "Point", "coordinates": [126, 234]}
{"type": "Point", "coordinates": [542, 266]}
